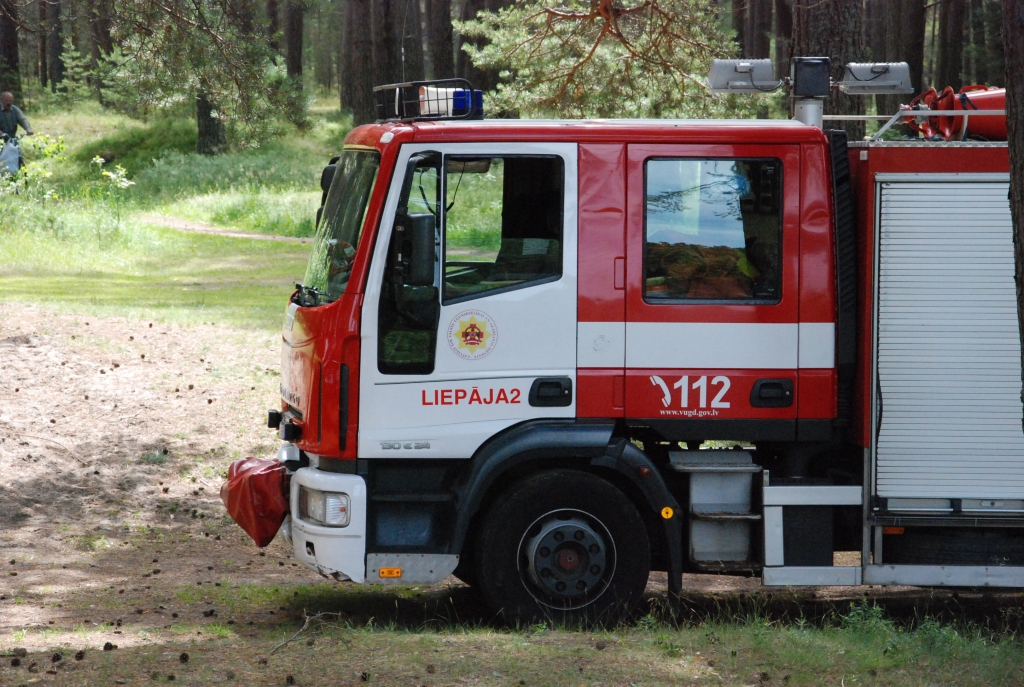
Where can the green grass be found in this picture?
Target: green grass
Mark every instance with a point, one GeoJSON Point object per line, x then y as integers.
{"type": "Point", "coordinates": [72, 238]}
{"type": "Point", "coordinates": [136, 146]}
{"type": "Point", "coordinates": [284, 213]}
{"type": "Point", "coordinates": [143, 272]}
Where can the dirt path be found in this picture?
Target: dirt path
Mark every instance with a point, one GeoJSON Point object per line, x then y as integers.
{"type": "Point", "coordinates": [194, 227]}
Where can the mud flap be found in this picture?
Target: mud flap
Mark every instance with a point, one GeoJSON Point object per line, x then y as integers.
{"type": "Point", "coordinates": [634, 464]}
{"type": "Point", "coordinates": [256, 497]}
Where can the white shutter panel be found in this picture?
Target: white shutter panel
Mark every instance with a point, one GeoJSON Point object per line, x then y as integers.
{"type": "Point", "coordinates": [948, 343]}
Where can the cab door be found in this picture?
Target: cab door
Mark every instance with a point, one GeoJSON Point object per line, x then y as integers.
{"type": "Point", "coordinates": [492, 342]}
{"type": "Point", "coordinates": [712, 333]}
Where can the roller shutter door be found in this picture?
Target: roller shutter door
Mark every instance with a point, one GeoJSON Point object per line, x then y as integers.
{"type": "Point", "coordinates": [948, 343]}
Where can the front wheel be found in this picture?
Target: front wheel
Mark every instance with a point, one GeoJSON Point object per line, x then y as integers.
{"type": "Point", "coordinates": [565, 546]}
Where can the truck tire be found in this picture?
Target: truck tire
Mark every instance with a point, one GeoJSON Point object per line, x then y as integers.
{"type": "Point", "coordinates": [564, 546]}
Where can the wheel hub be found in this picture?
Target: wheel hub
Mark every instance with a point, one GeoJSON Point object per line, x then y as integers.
{"type": "Point", "coordinates": [567, 558]}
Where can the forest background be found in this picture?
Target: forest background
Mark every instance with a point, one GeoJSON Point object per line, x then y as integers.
{"type": "Point", "coordinates": [249, 64]}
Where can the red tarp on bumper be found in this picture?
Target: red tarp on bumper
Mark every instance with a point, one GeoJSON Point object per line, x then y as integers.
{"type": "Point", "coordinates": [256, 496]}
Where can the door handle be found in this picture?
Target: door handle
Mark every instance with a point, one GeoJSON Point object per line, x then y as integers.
{"type": "Point", "coordinates": [772, 393]}
{"type": "Point", "coordinates": [551, 392]}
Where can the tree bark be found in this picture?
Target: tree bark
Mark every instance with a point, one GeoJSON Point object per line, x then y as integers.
{"type": "Point", "coordinates": [294, 14]}
{"type": "Point", "coordinates": [994, 42]}
{"type": "Point", "coordinates": [10, 65]}
{"type": "Point", "coordinates": [913, 28]}
{"type": "Point", "coordinates": [951, 45]}
{"type": "Point", "coordinates": [758, 41]}
{"type": "Point", "coordinates": [903, 29]}
{"type": "Point", "coordinates": [44, 72]}
{"type": "Point", "coordinates": [834, 29]}
{"type": "Point", "coordinates": [978, 70]}
{"type": "Point", "coordinates": [101, 43]}
{"type": "Point", "coordinates": [1013, 25]}
{"type": "Point", "coordinates": [273, 24]}
{"type": "Point", "coordinates": [412, 40]}
{"type": "Point", "coordinates": [54, 43]}
{"type": "Point", "coordinates": [385, 23]}
{"type": "Point", "coordinates": [357, 62]}
{"type": "Point", "coordinates": [212, 137]}
{"type": "Point", "coordinates": [442, 40]}
{"type": "Point", "coordinates": [739, 24]}
{"type": "Point", "coordinates": [484, 79]}
{"type": "Point", "coordinates": [99, 29]}
{"type": "Point", "coordinates": [323, 54]}
{"type": "Point", "coordinates": [783, 36]}
{"type": "Point", "coordinates": [874, 27]}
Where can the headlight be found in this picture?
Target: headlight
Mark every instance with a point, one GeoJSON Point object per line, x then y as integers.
{"type": "Point", "coordinates": [323, 507]}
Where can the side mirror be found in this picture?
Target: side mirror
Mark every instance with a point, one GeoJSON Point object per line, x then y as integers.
{"type": "Point", "coordinates": [413, 253]}
{"type": "Point", "coordinates": [326, 177]}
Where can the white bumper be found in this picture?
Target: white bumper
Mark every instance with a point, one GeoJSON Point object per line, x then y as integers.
{"type": "Point", "coordinates": [335, 551]}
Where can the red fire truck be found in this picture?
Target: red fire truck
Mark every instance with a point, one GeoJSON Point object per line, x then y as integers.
{"type": "Point", "coordinates": [552, 356]}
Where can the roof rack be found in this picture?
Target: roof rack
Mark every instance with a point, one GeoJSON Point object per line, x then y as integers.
{"type": "Point", "coordinates": [440, 99]}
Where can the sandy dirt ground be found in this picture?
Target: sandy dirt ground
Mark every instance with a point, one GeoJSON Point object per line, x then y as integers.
{"type": "Point", "coordinates": [113, 439]}
{"type": "Point", "coordinates": [114, 436]}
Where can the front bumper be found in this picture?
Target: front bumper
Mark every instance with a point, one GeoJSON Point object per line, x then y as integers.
{"type": "Point", "coordinates": [336, 551]}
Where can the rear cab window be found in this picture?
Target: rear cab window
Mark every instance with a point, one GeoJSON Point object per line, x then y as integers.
{"type": "Point", "coordinates": [712, 230]}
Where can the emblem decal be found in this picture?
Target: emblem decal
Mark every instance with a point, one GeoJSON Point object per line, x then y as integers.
{"type": "Point", "coordinates": [472, 334]}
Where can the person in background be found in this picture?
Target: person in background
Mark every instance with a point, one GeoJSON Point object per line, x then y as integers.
{"type": "Point", "coordinates": [11, 116]}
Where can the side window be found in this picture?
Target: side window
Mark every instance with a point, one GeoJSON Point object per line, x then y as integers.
{"type": "Point", "coordinates": [503, 224]}
{"type": "Point", "coordinates": [712, 230]}
{"type": "Point", "coordinates": [408, 315]}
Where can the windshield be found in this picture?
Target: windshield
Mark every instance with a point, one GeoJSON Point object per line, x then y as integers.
{"type": "Point", "coordinates": [337, 237]}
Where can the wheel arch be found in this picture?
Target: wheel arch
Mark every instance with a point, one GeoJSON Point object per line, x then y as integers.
{"type": "Point", "coordinates": [530, 447]}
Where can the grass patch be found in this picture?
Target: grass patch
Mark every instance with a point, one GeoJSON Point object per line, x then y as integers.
{"type": "Point", "coordinates": [91, 542]}
{"type": "Point", "coordinates": [134, 147]}
{"type": "Point", "coordinates": [153, 458]}
{"type": "Point", "coordinates": [144, 272]}
{"type": "Point", "coordinates": [267, 211]}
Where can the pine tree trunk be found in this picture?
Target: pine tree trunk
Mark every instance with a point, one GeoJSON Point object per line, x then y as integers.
{"type": "Point", "coordinates": [346, 66]}
{"type": "Point", "coordinates": [484, 79]}
{"type": "Point", "coordinates": [994, 42]}
{"type": "Point", "coordinates": [357, 87]}
{"type": "Point", "coordinates": [101, 42]}
{"type": "Point", "coordinates": [442, 40]}
{"type": "Point", "coordinates": [783, 36]}
{"type": "Point", "coordinates": [10, 65]}
{"type": "Point", "coordinates": [412, 40]}
{"type": "Point", "coordinates": [44, 72]}
{"type": "Point", "coordinates": [54, 43]}
{"type": "Point", "coordinates": [913, 28]}
{"type": "Point", "coordinates": [1013, 25]}
{"type": "Point", "coordinates": [902, 24]}
{"type": "Point", "coordinates": [874, 27]}
{"type": "Point", "coordinates": [323, 55]}
{"type": "Point", "coordinates": [294, 13]}
{"type": "Point", "coordinates": [758, 41]}
{"type": "Point", "coordinates": [386, 27]}
{"type": "Point", "coordinates": [979, 53]}
{"type": "Point", "coordinates": [739, 24]}
{"type": "Point", "coordinates": [273, 24]}
{"type": "Point", "coordinates": [212, 137]}
{"type": "Point", "coordinates": [951, 45]}
{"type": "Point", "coordinates": [834, 29]}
